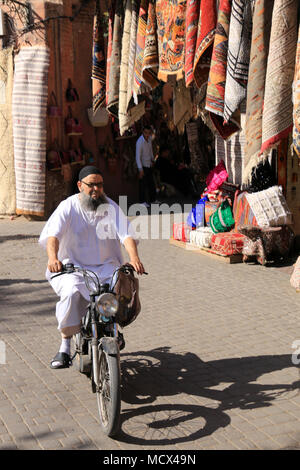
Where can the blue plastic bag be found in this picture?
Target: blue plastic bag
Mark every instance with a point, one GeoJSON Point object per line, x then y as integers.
{"type": "Point", "coordinates": [196, 216]}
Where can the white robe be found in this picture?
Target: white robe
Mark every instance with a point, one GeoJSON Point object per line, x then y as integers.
{"type": "Point", "coordinates": [89, 239]}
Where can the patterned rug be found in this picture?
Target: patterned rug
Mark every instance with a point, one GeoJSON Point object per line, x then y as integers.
{"type": "Point", "coordinates": [115, 61]}
{"type": "Point", "coordinates": [205, 38]}
{"type": "Point", "coordinates": [140, 47]}
{"type": "Point", "coordinates": [296, 101]}
{"type": "Point", "coordinates": [217, 75]}
{"type": "Point", "coordinates": [29, 107]}
{"type": "Point", "coordinates": [124, 68]}
{"type": "Point", "coordinates": [191, 28]}
{"type": "Point", "coordinates": [150, 59]}
{"type": "Point", "coordinates": [170, 16]}
{"type": "Point", "coordinates": [7, 171]}
{"type": "Point", "coordinates": [98, 67]}
{"type": "Point", "coordinates": [132, 49]}
{"type": "Point", "coordinates": [239, 43]}
{"type": "Point", "coordinates": [262, 20]}
{"type": "Point", "coordinates": [277, 119]}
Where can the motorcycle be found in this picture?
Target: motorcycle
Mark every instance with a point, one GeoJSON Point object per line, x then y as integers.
{"type": "Point", "coordinates": [98, 344]}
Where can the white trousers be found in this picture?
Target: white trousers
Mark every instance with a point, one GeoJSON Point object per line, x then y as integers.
{"type": "Point", "coordinates": [74, 299]}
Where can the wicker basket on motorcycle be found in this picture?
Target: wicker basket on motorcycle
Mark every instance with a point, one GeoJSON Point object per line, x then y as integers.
{"type": "Point", "coordinates": [126, 289]}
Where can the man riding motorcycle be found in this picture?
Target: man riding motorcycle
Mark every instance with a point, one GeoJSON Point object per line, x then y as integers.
{"type": "Point", "coordinates": [86, 229]}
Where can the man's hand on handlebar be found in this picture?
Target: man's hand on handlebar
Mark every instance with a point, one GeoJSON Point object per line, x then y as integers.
{"type": "Point", "coordinates": [54, 265]}
{"type": "Point", "coordinates": [137, 265]}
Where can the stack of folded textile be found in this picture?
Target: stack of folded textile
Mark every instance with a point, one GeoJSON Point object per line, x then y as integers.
{"type": "Point", "coordinates": [201, 237]}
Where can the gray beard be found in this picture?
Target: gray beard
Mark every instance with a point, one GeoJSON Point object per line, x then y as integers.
{"type": "Point", "coordinates": [89, 204]}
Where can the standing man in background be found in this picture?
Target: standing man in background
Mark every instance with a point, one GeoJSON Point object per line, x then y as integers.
{"type": "Point", "coordinates": [145, 161]}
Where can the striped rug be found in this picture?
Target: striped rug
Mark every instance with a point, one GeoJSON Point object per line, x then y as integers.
{"type": "Point", "coordinates": [205, 38]}
{"type": "Point", "coordinates": [296, 101]}
{"type": "Point", "coordinates": [239, 43]}
{"type": "Point", "coordinates": [277, 121]}
{"type": "Point", "coordinates": [29, 105]}
{"type": "Point", "coordinates": [262, 20]}
{"type": "Point", "coordinates": [232, 152]}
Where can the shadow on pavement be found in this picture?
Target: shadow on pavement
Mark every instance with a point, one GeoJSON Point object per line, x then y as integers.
{"type": "Point", "coordinates": [9, 282]}
{"type": "Point", "coordinates": [9, 238]}
{"type": "Point", "coordinates": [147, 375]}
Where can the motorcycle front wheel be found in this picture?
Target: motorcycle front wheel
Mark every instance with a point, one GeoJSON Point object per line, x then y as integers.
{"type": "Point", "coordinates": [109, 393]}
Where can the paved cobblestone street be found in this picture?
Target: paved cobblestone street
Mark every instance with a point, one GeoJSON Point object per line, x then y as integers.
{"type": "Point", "coordinates": [207, 364]}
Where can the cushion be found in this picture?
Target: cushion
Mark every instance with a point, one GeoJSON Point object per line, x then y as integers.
{"type": "Point", "coordinates": [216, 177]}
{"type": "Point", "coordinates": [181, 232]}
{"type": "Point", "coordinates": [196, 216]}
{"type": "Point", "coordinates": [228, 244]}
{"type": "Point", "coordinates": [201, 237]}
{"type": "Point", "coordinates": [242, 212]}
{"type": "Point", "coordinates": [270, 208]}
{"type": "Point", "coordinates": [210, 208]}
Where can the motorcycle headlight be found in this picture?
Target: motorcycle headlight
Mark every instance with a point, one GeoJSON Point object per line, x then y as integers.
{"type": "Point", "coordinates": [108, 304]}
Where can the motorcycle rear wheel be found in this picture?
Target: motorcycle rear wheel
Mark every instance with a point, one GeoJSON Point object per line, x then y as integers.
{"type": "Point", "coordinates": [109, 395]}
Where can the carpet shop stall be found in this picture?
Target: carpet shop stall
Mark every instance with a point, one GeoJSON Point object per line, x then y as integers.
{"type": "Point", "coordinates": [219, 81]}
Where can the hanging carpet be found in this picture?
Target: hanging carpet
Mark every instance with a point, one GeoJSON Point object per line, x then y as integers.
{"type": "Point", "coordinates": [7, 171]}
{"type": "Point", "coordinates": [296, 101]}
{"type": "Point", "coordinates": [217, 75]}
{"type": "Point", "coordinates": [239, 43]}
{"type": "Point", "coordinates": [277, 118]}
{"type": "Point", "coordinates": [262, 20]}
{"type": "Point", "coordinates": [150, 59]}
{"type": "Point", "coordinates": [132, 49]}
{"type": "Point", "coordinates": [192, 18]}
{"type": "Point", "coordinates": [115, 61]}
{"type": "Point", "coordinates": [231, 151]}
{"type": "Point", "coordinates": [29, 106]}
{"type": "Point", "coordinates": [170, 16]}
{"type": "Point", "coordinates": [98, 67]}
{"type": "Point", "coordinates": [205, 38]}
{"type": "Point", "coordinates": [109, 47]}
{"type": "Point", "coordinates": [140, 48]}
{"type": "Point", "coordinates": [124, 68]}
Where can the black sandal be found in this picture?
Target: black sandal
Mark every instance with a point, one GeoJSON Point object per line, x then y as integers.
{"type": "Point", "coordinates": [63, 360]}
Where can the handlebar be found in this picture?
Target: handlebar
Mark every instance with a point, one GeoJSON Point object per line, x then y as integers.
{"type": "Point", "coordinates": [89, 276]}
